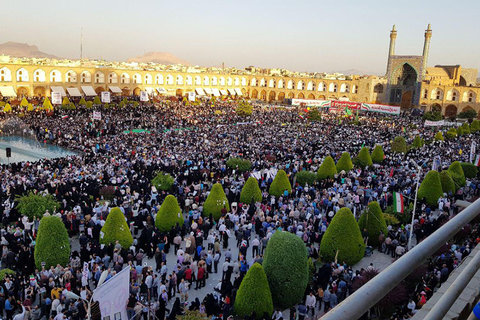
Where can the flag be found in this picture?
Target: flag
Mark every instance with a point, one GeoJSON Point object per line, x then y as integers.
{"type": "Point", "coordinates": [477, 160]}
{"type": "Point", "coordinates": [348, 112]}
{"type": "Point", "coordinates": [403, 129]}
{"type": "Point", "coordinates": [473, 149]}
{"type": "Point", "coordinates": [64, 117]}
{"type": "Point", "coordinates": [391, 173]}
{"type": "Point", "coordinates": [398, 202]}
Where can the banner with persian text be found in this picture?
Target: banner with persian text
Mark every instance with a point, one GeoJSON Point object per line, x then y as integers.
{"type": "Point", "coordinates": [380, 108]}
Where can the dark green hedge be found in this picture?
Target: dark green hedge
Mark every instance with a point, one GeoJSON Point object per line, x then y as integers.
{"type": "Point", "coordinates": [364, 159]}
{"type": "Point", "coordinates": [52, 244]}
{"type": "Point", "coordinates": [469, 169]}
{"type": "Point", "coordinates": [239, 164]}
{"type": "Point", "coordinates": [448, 186]}
{"type": "Point", "coordinates": [34, 205]}
{"type": "Point", "coordinates": [285, 264]}
{"type": "Point", "coordinates": [280, 184]}
{"type": "Point", "coordinates": [215, 202]}
{"type": "Point", "coordinates": [342, 235]}
{"type": "Point", "coordinates": [251, 191]}
{"type": "Point", "coordinates": [373, 221]}
{"type": "Point", "coordinates": [377, 154]}
{"type": "Point", "coordinates": [399, 145]}
{"type": "Point", "coordinates": [116, 228]}
{"type": "Point", "coordinates": [327, 169]}
{"type": "Point", "coordinates": [431, 188]}
{"type": "Point", "coordinates": [457, 174]}
{"type": "Point", "coordinates": [344, 163]}
{"type": "Point", "coordinates": [169, 214]}
{"type": "Point", "coordinates": [163, 181]}
{"type": "Point", "coordinates": [254, 295]}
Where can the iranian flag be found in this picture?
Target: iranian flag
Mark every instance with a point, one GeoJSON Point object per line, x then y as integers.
{"type": "Point", "coordinates": [398, 202]}
{"type": "Point", "coordinates": [477, 160]}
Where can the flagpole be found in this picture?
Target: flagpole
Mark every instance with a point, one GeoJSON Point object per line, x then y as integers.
{"type": "Point", "coordinates": [414, 208]}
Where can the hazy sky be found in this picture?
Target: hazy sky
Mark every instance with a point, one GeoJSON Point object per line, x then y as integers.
{"type": "Point", "coordinates": [321, 36]}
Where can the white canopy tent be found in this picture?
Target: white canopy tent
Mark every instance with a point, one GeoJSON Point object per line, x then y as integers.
{"type": "Point", "coordinates": [115, 89]}
{"type": "Point", "coordinates": [216, 93]}
{"type": "Point", "coordinates": [232, 92]}
{"type": "Point", "coordinates": [88, 90]}
{"type": "Point", "coordinates": [7, 91]}
{"type": "Point", "coordinates": [74, 92]}
{"type": "Point", "coordinates": [238, 91]}
{"type": "Point", "coordinates": [61, 90]}
{"type": "Point", "coordinates": [224, 92]}
{"type": "Point", "coordinates": [200, 91]}
{"type": "Point", "coordinates": [208, 91]}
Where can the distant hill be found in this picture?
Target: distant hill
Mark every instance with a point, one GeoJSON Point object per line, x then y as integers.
{"type": "Point", "coordinates": [159, 57]}
{"type": "Point", "coordinates": [21, 50]}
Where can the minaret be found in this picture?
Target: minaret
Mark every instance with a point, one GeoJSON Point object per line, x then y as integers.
{"type": "Point", "coordinates": [391, 50]}
{"type": "Point", "coordinates": [426, 48]}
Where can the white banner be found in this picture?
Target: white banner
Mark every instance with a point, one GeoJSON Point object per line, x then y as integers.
{"type": "Point", "coordinates": [311, 103]}
{"type": "Point", "coordinates": [97, 115]}
{"type": "Point", "coordinates": [380, 108]}
{"type": "Point", "coordinates": [56, 98]}
{"type": "Point", "coordinates": [105, 97]}
{"type": "Point", "coordinates": [429, 123]}
{"type": "Point", "coordinates": [85, 274]}
{"type": "Point", "coordinates": [473, 149]}
{"type": "Point", "coordinates": [113, 295]}
{"type": "Point", "coordinates": [143, 96]}
{"type": "Point", "coordinates": [191, 96]}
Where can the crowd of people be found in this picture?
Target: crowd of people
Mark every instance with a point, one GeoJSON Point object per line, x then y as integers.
{"type": "Point", "coordinates": [192, 143]}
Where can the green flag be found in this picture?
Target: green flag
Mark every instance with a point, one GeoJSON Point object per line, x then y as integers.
{"type": "Point", "coordinates": [348, 112]}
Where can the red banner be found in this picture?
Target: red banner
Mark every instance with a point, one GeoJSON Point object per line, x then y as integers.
{"type": "Point", "coordinates": [337, 104]}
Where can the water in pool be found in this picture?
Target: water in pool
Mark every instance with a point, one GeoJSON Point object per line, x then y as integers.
{"type": "Point", "coordinates": [25, 149]}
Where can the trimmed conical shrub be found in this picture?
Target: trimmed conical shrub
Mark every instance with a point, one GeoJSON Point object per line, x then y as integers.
{"type": "Point", "coordinates": [466, 128]}
{"type": "Point", "coordinates": [469, 169]}
{"type": "Point", "coordinates": [448, 186]}
{"type": "Point", "coordinates": [97, 101]}
{"type": "Point", "coordinates": [457, 174]}
{"type": "Point", "coordinates": [451, 133]}
{"type": "Point", "coordinates": [460, 131]}
{"type": "Point", "coordinates": [216, 201]}
{"type": "Point", "coordinates": [344, 163]}
{"type": "Point", "coordinates": [399, 145]}
{"type": "Point", "coordinates": [52, 244]}
{"type": "Point", "coordinates": [417, 142]}
{"type": "Point", "coordinates": [82, 102]}
{"type": "Point", "coordinates": [475, 126]}
{"type": "Point", "coordinates": [431, 188]}
{"type": "Point", "coordinates": [254, 294]}
{"type": "Point", "coordinates": [280, 184]}
{"type": "Point", "coordinates": [24, 102]}
{"type": "Point", "coordinates": [373, 221]}
{"type": "Point", "coordinates": [47, 104]}
{"type": "Point", "coordinates": [65, 101]}
{"type": "Point", "coordinates": [364, 159]}
{"type": "Point", "coordinates": [169, 214]}
{"type": "Point", "coordinates": [306, 177]}
{"type": "Point", "coordinates": [251, 191]}
{"type": "Point", "coordinates": [343, 236]}
{"type": "Point", "coordinates": [327, 170]}
{"type": "Point", "coordinates": [286, 267]}
{"type": "Point", "coordinates": [116, 228]}
{"type": "Point", "coordinates": [439, 136]}
{"type": "Point", "coordinates": [377, 154]}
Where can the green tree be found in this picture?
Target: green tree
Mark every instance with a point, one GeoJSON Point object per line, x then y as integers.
{"type": "Point", "coordinates": [244, 108]}
{"type": "Point", "coordinates": [438, 136]}
{"type": "Point", "coordinates": [97, 101]}
{"type": "Point", "coordinates": [254, 294]}
{"type": "Point", "coordinates": [35, 205]}
{"type": "Point", "coordinates": [24, 102]}
{"type": "Point", "coordinates": [432, 116]}
{"type": "Point", "coordinates": [306, 177]}
{"type": "Point", "coordinates": [457, 174]}
{"type": "Point", "coordinates": [364, 159]}
{"type": "Point", "coordinates": [468, 114]}
{"type": "Point", "coordinates": [399, 145]}
{"type": "Point", "coordinates": [469, 169]}
{"type": "Point", "coordinates": [373, 221]}
{"type": "Point", "coordinates": [251, 191]}
{"type": "Point", "coordinates": [327, 170]}
{"type": "Point", "coordinates": [52, 245]}
{"type": "Point", "coordinates": [448, 186]}
{"type": "Point", "coordinates": [431, 188]}
{"type": "Point", "coordinates": [286, 267]}
{"type": "Point", "coordinates": [417, 142]}
{"type": "Point", "coordinates": [5, 272]}
{"type": "Point", "coordinates": [169, 214]}
{"type": "Point", "coordinates": [466, 128]}
{"type": "Point", "coordinates": [239, 164]}
{"type": "Point", "coordinates": [163, 181]}
{"type": "Point", "coordinates": [460, 131]}
{"type": "Point", "coordinates": [47, 104]}
{"type": "Point", "coordinates": [280, 184]}
{"type": "Point", "coordinates": [451, 133]}
{"type": "Point", "coordinates": [116, 228]}
{"type": "Point", "coordinates": [377, 154]}
{"type": "Point", "coordinates": [475, 126]}
{"type": "Point", "coordinates": [215, 202]}
{"type": "Point", "coordinates": [82, 102]}
{"type": "Point", "coordinates": [65, 101]}
{"type": "Point", "coordinates": [343, 236]}
{"type": "Point", "coordinates": [89, 105]}
{"type": "Point", "coordinates": [344, 163]}
{"type": "Point", "coordinates": [314, 115]}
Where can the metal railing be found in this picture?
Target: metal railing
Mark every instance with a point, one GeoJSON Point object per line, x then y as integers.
{"type": "Point", "coordinates": [355, 305]}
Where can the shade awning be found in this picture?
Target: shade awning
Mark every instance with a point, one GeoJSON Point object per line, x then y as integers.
{"type": "Point", "coordinates": [216, 93]}
{"type": "Point", "coordinates": [224, 92]}
{"type": "Point", "coordinates": [7, 91]}
{"type": "Point", "coordinates": [74, 92]}
{"type": "Point", "coordinates": [232, 92]}
{"type": "Point", "coordinates": [200, 91]}
{"type": "Point", "coordinates": [115, 89]}
{"type": "Point", "coordinates": [59, 90]}
{"type": "Point", "coordinates": [161, 90]}
{"type": "Point", "coordinates": [238, 91]}
{"type": "Point", "coordinates": [88, 90]}
{"type": "Point", "coordinates": [208, 90]}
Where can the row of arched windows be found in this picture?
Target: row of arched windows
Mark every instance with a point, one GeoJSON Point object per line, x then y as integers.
{"type": "Point", "coordinates": [300, 85]}
{"type": "Point", "coordinates": [452, 95]}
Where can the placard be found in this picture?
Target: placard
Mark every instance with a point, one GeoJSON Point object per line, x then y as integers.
{"type": "Point", "coordinates": [191, 96]}
{"type": "Point", "coordinates": [56, 98]}
{"type": "Point", "coordinates": [105, 97]}
{"type": "Point", "coordinates": [143, 96]}
{"type": "Point", "coordinates": [97, 115]}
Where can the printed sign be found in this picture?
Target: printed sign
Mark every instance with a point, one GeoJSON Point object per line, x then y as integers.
{"type": "Point", "coordinates": [143, 96]}
{"type": "Point", "coordinates": [105, 97]}
{"type": "Point", "coordinates": [56, 98]}
{"type": "Point", "coordinates": [97, 115]}
{"type": "Point", "coordinates": [191, 96]}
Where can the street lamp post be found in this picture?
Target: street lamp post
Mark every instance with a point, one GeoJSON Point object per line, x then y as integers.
{"type": "Point", "coordinates": [409, 245]}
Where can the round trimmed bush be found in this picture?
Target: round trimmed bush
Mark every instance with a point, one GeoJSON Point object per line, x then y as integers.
{"type": "Point", "coordinates": [344, 163]}
{"type": "Point", "coordinates": [327, 170]}
{"type": "Point", "coordinates": [377, 154]}
{"type": "Point", "coordinates": [163, 181]}
{"type": "Point", "coordinates": [82, 102]}
{"type": "Point", "coordinates": [116, 228]}
{"type": "Point", "coordinates": [215, 202]}
{"type": "Point", "coordinates": [169, 214]}
{"type": "Point", "coordinates": [475, 126]}
{"type": "Point", "coordinates": [466, 128]}
{"type": "Point", "coordinates": [364, 159]}
{"type": "Point", "coordinates": [399, 145]}
{"type": "Point", "coordinates": [417, 142]}
{"type": "Point", "coordinates": [254, 294]}
{"type": "Point", "coordinates": [460, 131]}
{"type": "Point", "coordinates": [251, 191]}
{"type": "Point", "coordinates": [52, 244]}
{"type": "Point", "coordinates": [35, 205]}
{"type": "Point", "coordinates": [431, 188]}
{"type": "Point", "coordinates": [373, 221]}
{"type": "Point", "coordinates": [343, 236]}
{"type": "Point", "coordinates": [286, 267]}
{"type": "Point", "coordinates": [280, 184]}
{"type": "Point", "coordinates": [457, 174]}
{"type": "Point", "coordinates": [306, 177]}
{"type": "Point", "coordinates": [239, 164]}
{"type": "Point", "coordinates": [448, 186]}
{"type": "Point", "coordinates": [451, 133]}
{"type": "Point", "coordinates": [469, 169]}
{"type": "Point", "coordinates": [439, 136]}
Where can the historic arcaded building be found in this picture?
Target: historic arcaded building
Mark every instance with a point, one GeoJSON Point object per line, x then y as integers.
{"type": "Point", "coordinates": [408, 81]}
